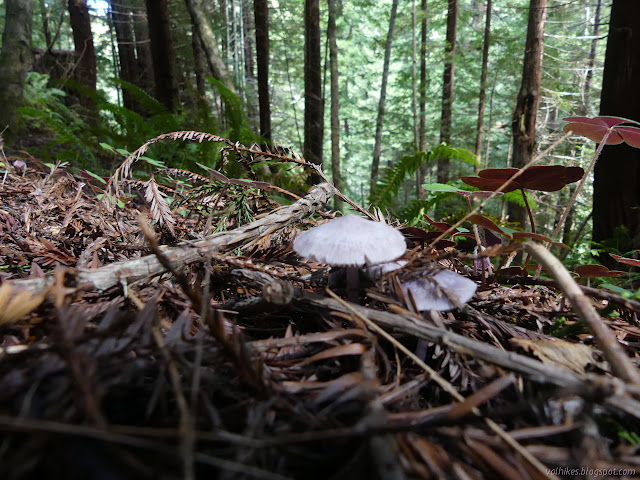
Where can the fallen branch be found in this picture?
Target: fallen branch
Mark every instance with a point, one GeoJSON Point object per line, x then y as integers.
{"type": "Point", "coordinates": [141, 268]}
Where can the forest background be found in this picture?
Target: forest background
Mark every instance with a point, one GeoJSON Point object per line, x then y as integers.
{"type": "Point", "coordinates": [351, 85]}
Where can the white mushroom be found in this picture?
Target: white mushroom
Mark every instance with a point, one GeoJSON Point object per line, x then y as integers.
{"type": "Point", "coordinates": [444, 290]}
{"type": "Point", "coordinates": [351, 241]}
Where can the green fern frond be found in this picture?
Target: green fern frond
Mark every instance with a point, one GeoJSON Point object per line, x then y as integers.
{"type": "Point", "coordinates": [390, 182]}
{"type": "Point", "coordinates": [516, 197]}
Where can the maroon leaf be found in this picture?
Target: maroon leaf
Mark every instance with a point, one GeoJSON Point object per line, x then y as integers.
{"type": "Point", "coordinates": [546, 178]}
{"type": "Point", "coordinates": [594, 270]}
{"type": "Point", "coordinates": [487, 223]}
{"type": "Point", "coordinates": [596, 128]}
{"type": "Point", "coordinates": [631, 135]}
{"type": "Point", "coordinates": [628, 261]}
{"type": "Point", "coordinates": [492, 184]}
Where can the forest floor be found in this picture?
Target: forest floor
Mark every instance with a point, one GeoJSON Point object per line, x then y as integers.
{"type": "Point", "coordinates": [214, 351]}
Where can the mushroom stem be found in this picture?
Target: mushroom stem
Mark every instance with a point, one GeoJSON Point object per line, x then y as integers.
{"type": "Point", "coordinates": [353, 284]}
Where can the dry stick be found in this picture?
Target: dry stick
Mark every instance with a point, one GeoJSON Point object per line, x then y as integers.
{"type": "Point", "coordinates": [612, 350]}
{"type": "Point", "coordinates": [446, 386]}
{"type": "Point", "coordinates": [148, 266]}
{"type": "Point", "coordinates": [539, 157]}
{"type": "Point", "coordinates": [414, 325]}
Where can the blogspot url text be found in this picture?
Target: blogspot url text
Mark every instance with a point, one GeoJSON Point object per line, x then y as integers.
{"type": "Point", "coordinates": [591, 472]}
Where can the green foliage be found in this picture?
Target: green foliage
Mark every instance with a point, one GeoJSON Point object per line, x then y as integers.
{"type": "Point", "coordinates": [239, 127]}
{"type": "Point", "coordinates": [516, 197]}
{"type": "Point", "coordinates": [391, 180]}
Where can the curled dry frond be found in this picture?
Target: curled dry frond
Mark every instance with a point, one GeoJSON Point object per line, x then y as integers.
{"type": "Point", "coordinates": [124, 170]}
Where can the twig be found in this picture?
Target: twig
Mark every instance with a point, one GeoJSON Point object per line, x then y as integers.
{"type": "Point", "coordinates": [612, 350]}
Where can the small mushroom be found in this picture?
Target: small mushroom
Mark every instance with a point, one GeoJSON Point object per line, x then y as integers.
{"type": "Point", "coordinates": [351, 241]}
{"type": "Point", "coordinates": [442, 291]}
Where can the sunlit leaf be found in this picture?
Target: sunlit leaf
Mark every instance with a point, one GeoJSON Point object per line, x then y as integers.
{"type": "Point", "coordinates": [628, 261]}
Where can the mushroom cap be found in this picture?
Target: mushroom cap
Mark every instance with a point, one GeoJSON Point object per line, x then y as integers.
{"type": "Point", "coordinates": [351, 241]}
{"type": "Point", "coordinates": [428, 297]}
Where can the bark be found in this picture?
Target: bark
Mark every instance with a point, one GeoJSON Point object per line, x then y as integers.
{"type": "Point", "coordinates": [616, 188]}
{"type": "Point", "coordinates": [313, 101]}
{"type": "Point", "coordinates": [199, 63]}
{"type": "Point", "coordinates": [209, 44]}
{"type": "Point", "coordinates": [46, 29]}
{"type": "Point", "coordinates": [336, 173]}
{"type": "Point", "coordinates": [121, 17]}
{"type": "Point", "coordinates": [422, 101]}
{"type": "Point", "coordinates": [85, 73]}
{"type": "Point", "coordinates": [162, 53]}
{"type": "Point", "coordinates": [447, 88]}
{"type": "Point", "coordinates": [377, 147]}
{"type": "Point", "coordinates": [15, 60]}
{"type": "Point", "coordinates": [143, 47]}
{"type": "Point", "coordinates": [261, 16]}
{"type": "Point", "coordinates": [482, 97]}
{"type": "Point", "coordinates": [586, 97]}
{"type": "Point", "coordinates": [523, 126]}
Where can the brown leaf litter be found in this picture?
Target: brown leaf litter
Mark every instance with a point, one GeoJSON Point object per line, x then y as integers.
{"type": "Point", "coordinates": [198, 354]}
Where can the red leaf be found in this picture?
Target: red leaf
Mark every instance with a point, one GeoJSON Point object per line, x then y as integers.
{"type": "Point", "coordinates": [628, 261]}
{"type": "Point", "coordinates": [631, 135]}
{"type": "Point", "coordinates": [594, 270]}
{"type": "Point", "coordinates": [547, 178]}
{"type": "Point", "coordinates": [487, 223]}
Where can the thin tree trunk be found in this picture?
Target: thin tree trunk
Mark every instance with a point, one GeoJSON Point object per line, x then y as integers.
{"type": "Point", "coordinates": [422, 102]}
{"type": "Point", "coordinates": [45, 7]}
{"type": "Point", "coordinates": [336, 174]}
{"type": "Point", "coordinates": [121, 17]}
{"type": "Point", "coordinates": [414, 75]}
{"type": "Point", "coordinates": [86, 73]}
{"type": "Point", "coordinates": [523, 124]}
{"type": "Point", "coordinates": [377, 147]}
{"type": "Point", "coordinates": [145, 78]}
{"type": "Point", "coordinates": [199, 63]}
{"type": "Point", "coordinates": [448, 77]}
{"type": "Point", "coordinates": [209, 44]}
{"type": "Point", "coordinates": [586, 97]}
{"type": "Point", "coordinates": [314, 107]}
{"type": "Point", "coordinates": [163, 54]}
{"type": "Point", "coordinates": [15, 60]}
{"type": "Point", "coordinates": [261, 16]}
{"type": "Point", "coordinates": [482, 97]}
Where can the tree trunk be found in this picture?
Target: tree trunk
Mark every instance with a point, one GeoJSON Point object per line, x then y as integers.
{"type": "Point", "coordinates": [85, 73]}
{"type": "Point", "coordinates": [162, 53]}
{"type": "Point", "coordinates": [523, 126]}
{"type": "Point", "coordinates": [616, 188]}
{"type": "Point", "coordinates": [121, 17]}
{"type": "Point", "coordinates": [586, 91]}
{"type": "Point", "coordinates": [313, 101]}
{"type": "Point", "coordinates": [145, 78]}
{"type": "Point", "coordinates": [200, 66]}
{"type": "Point", "coordinates": [482, 97]}
{"type": "Point", "coordinates": [209, 44]}
{"type": "Point", "coordinates": [15, 60]}
{"type": "Point", "coordinates": [447, 88]}
{"type": "Point", "coordinates": [377, 147]}
{"type": "Point", "coordinates": [422, 102]}
{"type": "Point", "coordinates": [336, 173]}
{"type": "Point", "coordinates": [261, 16]}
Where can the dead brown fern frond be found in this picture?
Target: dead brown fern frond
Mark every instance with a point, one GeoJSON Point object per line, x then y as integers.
{"type": "Point", "coordinates": [160, 211]}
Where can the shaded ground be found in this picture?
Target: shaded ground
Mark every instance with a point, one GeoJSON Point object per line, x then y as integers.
{"type": "Point", "coordinates": [241, 364]}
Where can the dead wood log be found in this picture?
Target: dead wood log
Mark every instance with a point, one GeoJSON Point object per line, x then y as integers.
{"type": "Point", "coordinates": [145, 267]}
